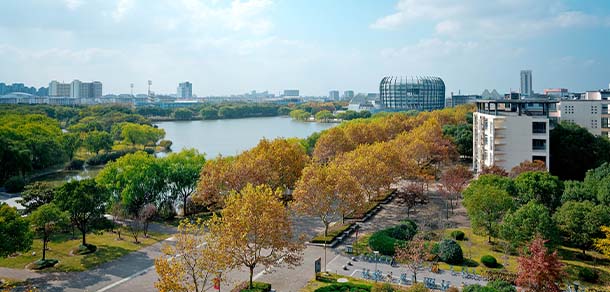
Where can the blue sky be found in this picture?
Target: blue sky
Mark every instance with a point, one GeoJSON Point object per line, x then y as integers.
{"type": "Point", "coordinates": [229, 47]}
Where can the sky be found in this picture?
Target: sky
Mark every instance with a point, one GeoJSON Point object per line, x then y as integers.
{"type": "Point", "coordinates": [232, 47]}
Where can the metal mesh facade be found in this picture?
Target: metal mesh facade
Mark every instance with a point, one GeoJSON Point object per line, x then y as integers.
{"type": "Point", "coordinates": [412, 93]}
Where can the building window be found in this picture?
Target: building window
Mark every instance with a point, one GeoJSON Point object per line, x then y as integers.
{"type": "Point", "coordinates": [604, 109]}
{"type": "Point", "coordinates": [539, 127]}
{"type": "Point", "coordinates": [604, 122]}
{"type": "Point", "coordinates": [539, 144]}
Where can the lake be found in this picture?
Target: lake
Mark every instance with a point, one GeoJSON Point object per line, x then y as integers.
{"type": "Point", "coordinates": [232, 136]}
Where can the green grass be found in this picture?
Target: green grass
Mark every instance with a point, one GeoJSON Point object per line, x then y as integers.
{"type": "Point", "coordinates": [108, 249]}
{"type": "Point", "coordinates": [331, 279]}
{"type": "Point", "coordinates": [333, 231]}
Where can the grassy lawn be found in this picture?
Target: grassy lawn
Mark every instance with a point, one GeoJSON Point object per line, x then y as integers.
{"type": "Point", "coordinates": [108, 249]}
{"type": "Point", "coordinates": [328, 280]}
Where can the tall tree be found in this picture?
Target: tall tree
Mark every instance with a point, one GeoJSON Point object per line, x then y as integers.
{"type": "Point", "coordinates": [96, 141]}
{"type": "Point", "coordinates": [36, 195]}
{"type": "Point", "coordinates": [453, 181]}
{"type": "Point", "coordinates": [182, 172]}
{"type": "Point", "coordinates": [216, 181]}
{"type": "Point", "coordinates": [84, 201]}
{"type": "Point", "coordinates": [580, 222]}
{"type": "Point", "coordinates": [538, 270]}
{"type": "Point", "coordinates": [134, 179]}
{"type": "Point", "coordinates": [413, 254]}
{"type": "Point", "coordinates": [45, 221]}
{"type": "Point", "coordinates": [16, 235]}
{"type": "Point", "coordinates": [577, 191]}
{"type": "Point", "coordinates": [331, 143]}
{"type": "Point", "coordinates": [530, 219]}
{"type": "Point", "coordinates": [71, 143]}
{"type": "Point", "coordinates": [192, 262]}
{"type": "Point", "coordinates": [136, 134]}
{"type": "Point", "coordinates": [461, 134]}
{"type": "Point", "coordinates": [255, 229]}
{"type": "Point", "coordinates": [327, 193]}
{"type": "Point", "coordinates": [486, 206]}
{"type": "Point", "coordinates": [540, 186]}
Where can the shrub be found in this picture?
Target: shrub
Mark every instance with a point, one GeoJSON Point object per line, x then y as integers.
{"type": "Point", "coordinates": [108, 156]}
{"type": "Point", "coordinates": [344, 287]}
{"type": "Point", "coordinates": [457, 235]}
{"type": "Point", "coordinates": [450, 252]}
{"type": "Point", "coordinates": [453, 289]}
{"type": "Point", "coordinates": [478, 288]}
{"type": "Point", "coordinates": [14, 184]}
{"type": "Point", "coordinates": [258, 287]}
{"type": "Point", "coordinates": [588, 275]}
{"type": "Point", "coordinates": [43, 264]}
{"type": "Point", "coordinates": [419, 287]}
{"type": "Point", "coordinates": [75, 164]}
{"type": "Point", "coordinates": [166, 144]}
{"type": "Point", "coordinates": [84, 249]}
{"type": "Point", "coordinates": [385, 240]}
{"type": "Point", "coordinates": [502, 286]}
{"type": "Point", "coordinates": [489, 261]}
{"type": "Point", "coordinates": [385, 287]}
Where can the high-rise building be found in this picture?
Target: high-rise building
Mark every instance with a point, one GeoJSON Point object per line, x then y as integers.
{"type": "Point", "coordinates": [526, 83]}
{"type": "Point", "coordinates": [412, 93]}
{"type": "Point", "coordinates": [508, 132]}
{"type": "Point", "coordinates": [348, 95]}
{"type": "Point", "coordinates": [333, 95]}
{"type": "Point", "coordinates": [59, 89]}
{"type": "Point", "coordinates": [291, 92]}
{"type": "Point", "coordinates": [185, 90]}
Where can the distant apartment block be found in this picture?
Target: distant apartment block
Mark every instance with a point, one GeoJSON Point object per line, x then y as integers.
{"type": "Point", "coordinates": [526, 83]}
{"type": "Point", "coordinates": [185, 90]}
{"type": "Point", "coordinates": [291, 93]}
{"type": "Point", "coordinates": [460, 99]}
{"type": "Point", "coordinates": [348, 95]}
{"type": "Point", "coordinates": [76, 89]}
{"type": "Point", "coordinates": [557, 92]}
{"type": "Point", "coordinates": [333, 95]}
{"type": "Point", "coordinates": [508, 132]}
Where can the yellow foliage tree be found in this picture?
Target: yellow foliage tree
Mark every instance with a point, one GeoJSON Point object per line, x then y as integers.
{"type": "Point", "coordinates": [603, 244]}
{"type": "Point", "coordinates": [192, 262]}
{"type": "Point", "coordinates": [255, 229]}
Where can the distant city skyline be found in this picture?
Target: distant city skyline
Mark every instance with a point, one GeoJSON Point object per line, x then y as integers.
{"type": "Point", "coordinates": [315, 46]}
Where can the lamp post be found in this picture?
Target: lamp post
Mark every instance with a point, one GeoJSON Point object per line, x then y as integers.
{"type": "Point", "coordinates": [376, 259]}
{"type": "Point", "coordinates": [219, 276]}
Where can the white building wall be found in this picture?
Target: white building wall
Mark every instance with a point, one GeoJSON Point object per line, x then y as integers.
{"type": "Point", "coordinates": [585, 113]}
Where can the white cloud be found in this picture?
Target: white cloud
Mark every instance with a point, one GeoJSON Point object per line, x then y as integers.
{"type": "Point", "coordinates": [122, 7]}
{"type": "Point", "coordinates": [248, 15]}
{"type": "Point", "coordinates": [73, 4]}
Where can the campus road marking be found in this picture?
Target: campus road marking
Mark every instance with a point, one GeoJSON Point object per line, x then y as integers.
{"type": "Point", "coordinates": [352, 274]}
{"type": "Point", "coordinates": [142, 272]}
{"type": "Point", "coordinates": [332, 260]}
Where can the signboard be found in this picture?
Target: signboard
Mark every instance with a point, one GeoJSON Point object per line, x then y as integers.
{"type": "Point", "coordinates": [318, 265]}
{"type": "Point", "coordinates": [217, 284]}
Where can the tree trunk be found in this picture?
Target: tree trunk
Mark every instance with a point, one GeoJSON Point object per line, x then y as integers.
{"type": "Point", "coordinates": [414, 276]}
{"type": "Point", "coordinates": [184, 210]}
{"type": "Point", "coordinates": [325, 229]}
{"type": "Point", "coordinates": [83, 231]}
{"type": "Point", "coordinates": [44, 248]}
{"type": "Point", "coordinates": [251, 273]}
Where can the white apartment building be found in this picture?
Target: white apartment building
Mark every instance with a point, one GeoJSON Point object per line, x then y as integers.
{"type": "Point", "coordinates": [76, 89]}
{"type": "Point", "coordinates": [59, 89]}
{"type": "Point", "coordinates": [184, 90]}
{"type": "Point", "coordinates": [508, 132]}
{"type": "Point", "coordinates": [590, 112]}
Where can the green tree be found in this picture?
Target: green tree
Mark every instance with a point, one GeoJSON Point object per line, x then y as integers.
{"type": "Point", "coordinates": [486, 206]}
{"type": "Point", "coordinates": [577, 191]}
{"type": "Point", "coordinates": [36, 195]}
{"type": "Point", "coordinates": [324, 115]}
{"type": "Point", "coordinates": [597, 183]}
{"type": "Point", "coordinates": [501, 182]}
{"type": "Point", "coordinates": [134, 180]}
{"type": "Point", "coordinates": [45, 221]}
{"type": "Point", "coordinates": [569, 140]}
{"type": "Point", "coordinates": [183, 114]}
{"type": "Point", "coordinates": [84, 201]}
{"type": "Point", "coordinates": [182, 173]}
{"type": "Point", "coordinates": [520, 226]}
{"type": "Point", "coordinates": [96, 141]}
{"type": "Point", "coordinates": [209, 113]}
{"type": "Point", "coordinates": [71, 142]}
{"type": "Point", "coordinates": [300, 115]}
{"type": "Point", "coordinates": [136, 134]}
{"type": "Point", "coordinates": [461, 134]}
{"type": "Point", "coordinates": [540, 186]}
{"type": "Point", "coordinates": [15, 230]}
{"type": "Point", "coordinates": [580, 222]}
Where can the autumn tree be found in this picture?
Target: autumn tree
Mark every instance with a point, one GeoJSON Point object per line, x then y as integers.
{"type": "Point", "coordinates": [326, 192]}
{"type": "Point", "coordinates": [181, 174]}
{"type": "Point", "coordinates": [16, 234]}
{"type": "Point", "coordinates": [413, 255]}
{"type": "Point", "coordinates": [527, 165]}
{"type": "Point", "coordinates": [146, 214]}
{"type": "Point", "coordinates": [331, 143]}
{"type": "Point", "coordinates": [410, 194]}
{"type": "Point", "coordinates": [539, 270]}
{"type": "Point", "coordinates": [603, 244]}
{"type": "Point", "coordinates": [255, 229]}
{"type": "Point", "coordinates": [453, 181]}
{"type": "Point", "coordinates": [216, 181]}
{"type": "Point", "coordinates": [45, 221]}
{"type": "Point", "coordinates": [494, 169]}
{"type": "Point", "coordinates": [485, 207]}
{"type": "Point", "coordinates": [192, 262]}
{"type": "Point", "coordinates": [84, 201]}
{"type": "Point", "coordinates": [36, 195]}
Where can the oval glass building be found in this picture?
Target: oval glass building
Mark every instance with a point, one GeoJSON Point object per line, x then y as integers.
{"type": "Point", "coordinates": [412, 93]}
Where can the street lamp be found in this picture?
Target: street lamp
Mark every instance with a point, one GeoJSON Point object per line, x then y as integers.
{"type": "Point", "coordinates": [376, 260]}
{"type": "Point", "coordinates": [219, 276]}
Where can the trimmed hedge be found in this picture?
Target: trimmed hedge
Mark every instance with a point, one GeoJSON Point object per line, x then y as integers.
{"type": "Point", "coordinates": [344, 287]}
{"type": "Point", "coordinates": [457, 235]}
{"type": "Point", "coordinates": [333, 232]}
{"type": "Point", "coordinates": [256, 287]}
{"type": "Point", "coordinates": [450, 252]}
{"type": "Point", "coordinates": [386, 240]}
{"type": "Point", "coordinates": [489, 261]}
